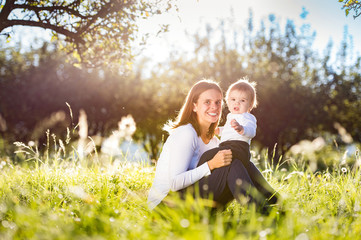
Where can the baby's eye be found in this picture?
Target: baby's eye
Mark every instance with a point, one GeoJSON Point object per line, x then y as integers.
{"type": "Point", "coordinates": [219, 102]}
{"type": "Point", "coordinates": [233, 99]}
{"type": "Point", "coordinates": [207, 102]}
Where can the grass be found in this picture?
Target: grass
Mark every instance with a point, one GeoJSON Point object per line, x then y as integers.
{"type": "Point", "coordinates": [64, 199]}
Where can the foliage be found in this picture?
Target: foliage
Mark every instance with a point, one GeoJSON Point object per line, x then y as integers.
{"type": "Point", "coordinates": [294, 82]}
{"type": "Point", "coordinates": [96, 32]}
{"type": "Point", "coordinates": [35, 88]}
{"type": "Point", "coordinates": [302, 94]}
{"type": "Point", "coordinates": [67, 199]}
{"type": "Point", "coordinates": [351, 5]}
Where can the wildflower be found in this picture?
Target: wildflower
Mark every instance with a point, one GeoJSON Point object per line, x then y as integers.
{"type": "Point", "coordinates": [344, 170]}
{"type": "Point", "coordinates": [302, 236]}
{"type": "Point", "coordinates": [264, 233]}
{"type": "Point", "coordinates": [184, 223]}
{"type": "Point", "coordinates": [345, 136]}
{"type": "Point", "coordinates": [78, 192]}
{"type": "Point", "coordinates": [2, 164]}
{"type": "Point", "coordinates": [126, 127]}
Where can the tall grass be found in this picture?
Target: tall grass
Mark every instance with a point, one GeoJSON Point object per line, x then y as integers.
{"type": "Point", "coordinates": [66, 199]}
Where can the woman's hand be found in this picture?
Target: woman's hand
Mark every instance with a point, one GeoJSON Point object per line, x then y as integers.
{"type": "Point", "coordinates": [236, 126]}
{"type": "Point", "coordinates": [221, 159]}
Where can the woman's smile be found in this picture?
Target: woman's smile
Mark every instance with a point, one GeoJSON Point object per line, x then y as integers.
{"type": "Point", "coordinates": [213, 114]}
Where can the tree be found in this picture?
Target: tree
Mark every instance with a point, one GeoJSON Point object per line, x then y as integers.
{"type": "Point", "coordinates": [95, 31]}
{"type": "Point", "coordinates": [351, 5]}
{"type": "Point", "coordinates": [297, 97]}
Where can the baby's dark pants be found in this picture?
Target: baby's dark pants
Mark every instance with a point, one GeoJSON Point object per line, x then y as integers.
{"type": "Point", "coordinates": [240, 178]}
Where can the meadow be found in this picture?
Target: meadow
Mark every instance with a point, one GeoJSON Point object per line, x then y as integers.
{"type": "Point", "coordinates": [99, 197]}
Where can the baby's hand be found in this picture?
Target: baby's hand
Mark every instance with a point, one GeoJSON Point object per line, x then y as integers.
{"type": "Point", "coordinates": [236, 126]}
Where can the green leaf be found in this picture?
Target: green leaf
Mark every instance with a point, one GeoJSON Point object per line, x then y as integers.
{"type": "Point", "coordinates": [76, 56]}
{"type": "Point", "coordinates": [77, 65]}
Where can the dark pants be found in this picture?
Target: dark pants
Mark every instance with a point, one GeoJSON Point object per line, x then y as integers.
{"type": "Point", "coordinates": [240, 178]}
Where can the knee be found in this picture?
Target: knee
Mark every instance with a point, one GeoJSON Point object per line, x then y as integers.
{"type": "Point", "coordinates": [237, 168]}
{"type": "Point", "coordinates": [237, 163]}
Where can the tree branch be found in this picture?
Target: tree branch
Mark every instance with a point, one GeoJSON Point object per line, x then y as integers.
{"type": "Point", "coordinates": [107, 8]}
{"type": "Point", "coordinates": [5, 12]}
{"type": "Point", "coordinates": [74, 36]}
{"type": "Point", "coordinates": [51, 9]}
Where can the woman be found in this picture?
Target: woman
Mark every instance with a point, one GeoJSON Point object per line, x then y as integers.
{"type": "Point", "coordinates": [192, 134]}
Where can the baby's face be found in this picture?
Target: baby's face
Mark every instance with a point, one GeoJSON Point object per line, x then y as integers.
{"type": "Point", "coordinates": [238, 102]}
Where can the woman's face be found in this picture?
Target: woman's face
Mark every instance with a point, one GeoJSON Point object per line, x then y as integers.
{"type": "Point", "coordinates": [208, 107]}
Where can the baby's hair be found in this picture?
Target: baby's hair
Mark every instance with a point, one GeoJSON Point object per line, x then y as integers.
{"type": "Point", "coordinates": [244, 85]}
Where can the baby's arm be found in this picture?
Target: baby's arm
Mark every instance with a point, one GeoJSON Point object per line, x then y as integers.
{"type": "Point", "coordinates": [248, 126]}
{"type": "Point", "coordinates": [236, 126]}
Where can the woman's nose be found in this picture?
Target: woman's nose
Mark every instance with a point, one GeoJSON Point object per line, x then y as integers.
{"type": "Point", "coordinates": [214, 106]}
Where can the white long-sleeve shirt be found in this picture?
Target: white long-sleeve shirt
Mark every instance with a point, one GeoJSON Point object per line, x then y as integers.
{"type": "Point", "coordinates": [177, 165]}
{"type": "Point", "coordinates": [249, 123]}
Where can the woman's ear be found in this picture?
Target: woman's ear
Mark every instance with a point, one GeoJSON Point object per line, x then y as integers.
{"type": "Point", "coordinates": [194, 107]}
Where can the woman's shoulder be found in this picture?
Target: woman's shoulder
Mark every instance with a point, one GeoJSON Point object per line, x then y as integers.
{"type": "Point", "coordinates": [186, 130]}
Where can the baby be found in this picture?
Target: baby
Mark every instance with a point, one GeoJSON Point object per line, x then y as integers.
{"type": "Point", "coordinates": [241, 125]}
{"type": "Point", "coordinates": [238, 131]}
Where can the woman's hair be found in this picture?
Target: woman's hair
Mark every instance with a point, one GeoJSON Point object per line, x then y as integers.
{"type": "Point", "coordinates": [244, 85]}
{"type": "Point", "coordinates": [187, 115]}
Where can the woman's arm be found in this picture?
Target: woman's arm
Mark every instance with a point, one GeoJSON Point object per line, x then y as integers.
{"type": "Point", "coordinates": [182, 149]}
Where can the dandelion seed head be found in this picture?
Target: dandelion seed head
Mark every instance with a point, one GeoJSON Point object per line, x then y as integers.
{"type": "Point", "coordinates": [263, 234]}
{"type": "Point", "coordinates": [5, 224]}
{"type": "Point", "coordinates": [3, 208]}
{"type": "Point", "coordinates": [302, 236]}
{"type": "Point", "coordinates": [184, 223]}
{"type": "Point", "coordinates": [2, 164]}
{"type": "Point", "coordinates": [357, 206]}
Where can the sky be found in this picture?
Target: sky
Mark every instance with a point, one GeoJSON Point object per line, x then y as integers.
{"type": "Point", "coordinates": [326, 18]}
